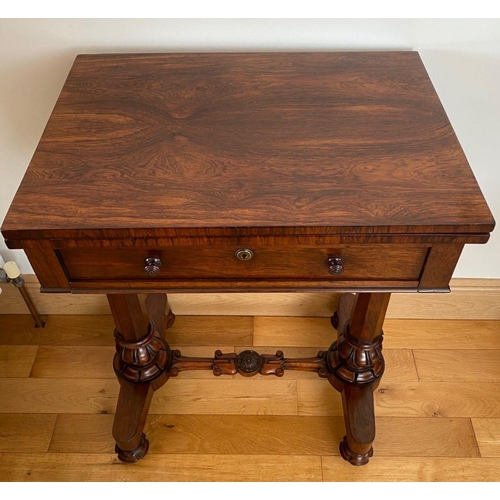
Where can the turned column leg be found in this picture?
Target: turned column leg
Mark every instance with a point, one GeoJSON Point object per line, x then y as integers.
{"type": "Point", "coordinates": [141, 364]}
{"type": "Point", "coordinates": [356, 365]}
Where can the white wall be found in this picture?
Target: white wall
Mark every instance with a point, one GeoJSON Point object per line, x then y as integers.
{"type": "Point", "coordinates": [461, 56]}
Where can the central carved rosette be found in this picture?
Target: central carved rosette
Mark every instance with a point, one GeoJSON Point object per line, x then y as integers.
{"type": "Point", "coordinates": [249, 362]}
{"type": "Point", "coordinates": [356, 363]}
{"type": "Point", "coordinates": [144, 360]}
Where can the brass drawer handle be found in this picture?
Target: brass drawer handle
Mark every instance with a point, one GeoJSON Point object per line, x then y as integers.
{"type": "Point", "coordinates": [152, 265]}
{"type": "Point", "coordinates": [335, 265]}
{"type": "Point", "coordinates": [243, 254]}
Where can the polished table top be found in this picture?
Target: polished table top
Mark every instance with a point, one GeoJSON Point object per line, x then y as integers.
{"type": "Point", "coordinates": [247, 143]}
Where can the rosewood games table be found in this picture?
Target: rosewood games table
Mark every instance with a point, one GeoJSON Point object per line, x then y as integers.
{"type": "Point", "coordinates": [238, 172]}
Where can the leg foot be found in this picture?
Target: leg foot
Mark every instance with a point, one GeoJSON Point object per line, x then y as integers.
{"type": "Point", "coordinates": [354, 458]}
{"type": "Point", "coordinates": [134, 455]}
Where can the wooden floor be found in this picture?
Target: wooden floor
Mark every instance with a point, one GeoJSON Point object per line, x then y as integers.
{"type": "Point", "coordinates": [437, 407]}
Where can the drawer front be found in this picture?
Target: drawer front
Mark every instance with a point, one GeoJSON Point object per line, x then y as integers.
{"type": "Point", "coordinates": [359, 262]}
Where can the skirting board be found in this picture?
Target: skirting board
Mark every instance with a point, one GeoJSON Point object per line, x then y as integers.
{"type": "Point", "coordinates": [469, 299]}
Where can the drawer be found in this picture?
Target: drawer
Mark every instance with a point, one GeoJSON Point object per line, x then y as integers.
{"type": "Point", "coordinates": [359, 262]}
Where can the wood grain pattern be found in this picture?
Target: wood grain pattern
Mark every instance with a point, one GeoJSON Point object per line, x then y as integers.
{"type": "Point", "coordinates": [458, 365]}
{"type": "Point", "coordinates": [27, 433]}
{"type": "Point", "coordinates": [105, 467]}
{"type": "Point", "coordinates": [470, 299]}
{"type": "Point", "coordinates": [80, 433]}
{"type": "Point", "coordinates": [438, 399]}
{"type": "Point", "coordinates": [232, 397]}
{"type": "Point", "coordinates": [51, 303]}
{"type": "Point", "coordinates": [425, 437]}
{"type": "Point", "coordinates": [209, 331]}
{"type": "Point", "coordinates": [31, 395]}
{"type": "Point", "coordinates": [320, 400]}
{"type": "Point", "coordinates": [361, 262]}
{"type": "Point", "coordinates": [266, 435]}
{"type": "Point", "coordinates": [408, 399]}
{"type": "Point", "coordinates": [97, 362]}
{"type": "Point", "coordinates": [16, 361]}
{"type": "Point", "coordinates": [301, 332]}
{"type": "Point", "coordinates": [197, 396]}
{"type": "Point", "coordinates": [417, 421]}
{"type": "Point", "coordinates": [464, 302]}
{"type": "Point", "coordinates": [487, 431]}
{"type": "Point", "coordinates": [442, 334]}
{"type": "Point", "coordinates": [290, 331]}
{"type": "Point", "coordinates": [64, 330]}
{"type": "Point", "coordinates": [46, 265]}
{"type": "Point", "coordinates": [399, 333]}
{"type": "Point", "coordinates": [413, 469]}
{"type": "Point", "coordinates": [439, 266]}
{"type": "Point", "coordinates": [199, 127]}
{"type": "Point", "coordinates": [399, 365]}
{"type": "Point", "coordinates": [199, 434]}
{"type": "Point", "coordinates": [191, 285]}
{"type": "Point", "coordinates": [74, 362]}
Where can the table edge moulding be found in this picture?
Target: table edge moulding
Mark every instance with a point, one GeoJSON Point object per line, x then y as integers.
{"type": "Point", "coordinates": [241, 172]}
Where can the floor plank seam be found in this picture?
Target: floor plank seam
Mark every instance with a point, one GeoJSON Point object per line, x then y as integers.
{"type": "Point", "coordinates": [52, 434]}
{"type": "Point", "coordinates": [415, 364]}
{"type": "Point", "coordinates": [471, 444]}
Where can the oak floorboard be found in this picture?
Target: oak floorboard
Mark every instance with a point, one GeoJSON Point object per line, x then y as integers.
{"type": "Point", "coordinates": [95, 330]}
{"type": "Point", "coordinates": [413, 469]}
{"type": "Point", "coordinates": [487, 431]}
{"type": "Point", "coordinates": [97, 361]}
{"type": "Point", "coordinates": [74, 362]}
{"type": "Point", "coordinates": [400, 365]}
{"type": "Point", "coordinates": [16, 360]}
{"type": "Point", "coordinates": [238, 396]}
{"type": "Point", "coordinates": [83, 433]}
{"type": "Point", "coordinates": [65, 330]}
{"type": "Point", "coordinates": [293, 332]}
{"type": "Point", "coordinates": [157, 467]}
{"type": "Point", "coordinates": [28, 433]}
{"type": "Point", "coordinates": [442, 334]}
{"type": "Point", "coordinates": [198, 396]}
{"type": "Point", "coordinates": [408, 399]}
{"type": "Point", "coordinates": [398, 333]}
{"type": "Point", "coordinates": [315, 398]}
{"type": "Point", "coordinates": [456, 365]}
{"type": "Point", "coordinates": [426, 429]}
{"type": "Point", "coordinates": [211, 330]}
{"type": "Point", "coordinates": [438, 399]}
{"type": "Point", "coordinates": [285, 331]}
{"type": "Point", "coordinates": [37, 395]}
{"type": "Point", "coordinates": [268, 435]}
